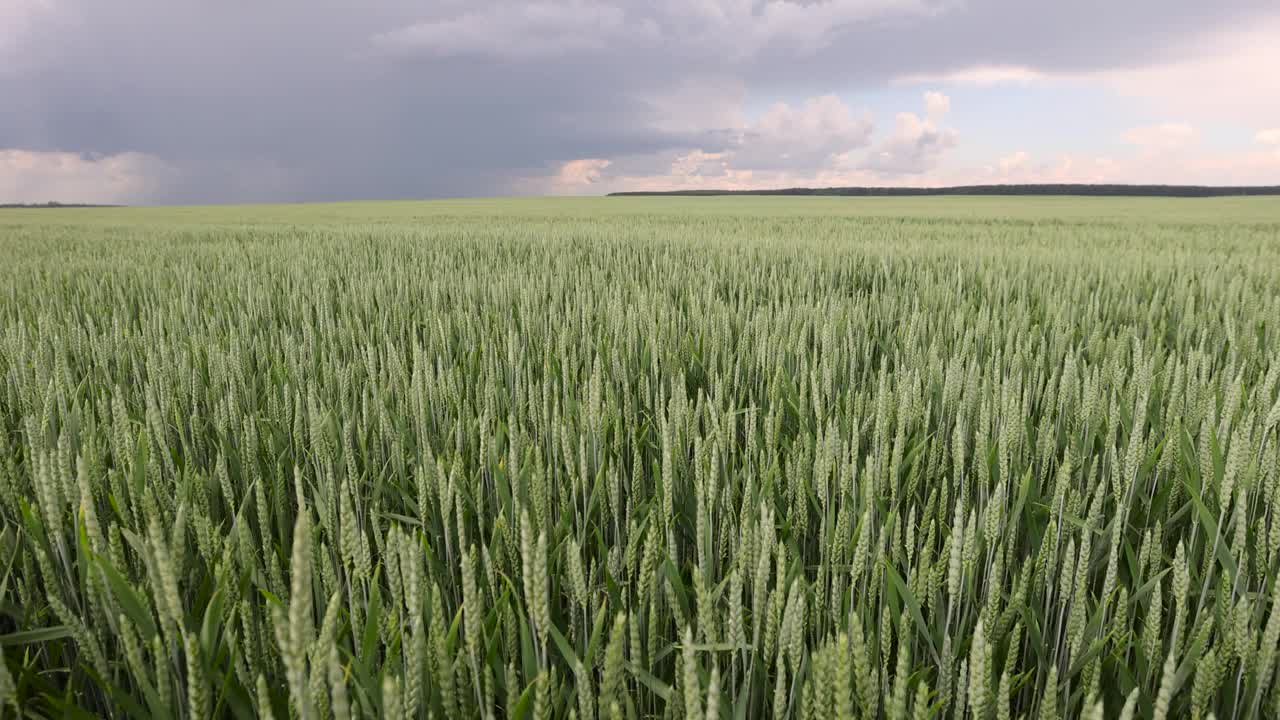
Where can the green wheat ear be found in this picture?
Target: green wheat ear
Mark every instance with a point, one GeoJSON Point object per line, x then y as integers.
{"type": "Point", "coordinates": [686, 459]}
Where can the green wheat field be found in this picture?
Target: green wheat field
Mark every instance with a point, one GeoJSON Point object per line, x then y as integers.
{"type": "Point", "coordinates": [696, 458]}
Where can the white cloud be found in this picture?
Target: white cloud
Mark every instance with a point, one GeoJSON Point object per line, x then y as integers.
{"type": "Point", "coordinates": [37, 177]}
{"type": "Point", "coordinates": [1271, 138]}
{"type": "Point", "coordinates": [821, 142]}
{"type": "Point", "coordinates": [697, 163]}
{"type": "Point", "coordinates": [916, 143]}
{"type": "Point", "coordinates": [1163, 137]}
{"type": "Point", "coordinates": [786, 144]}
{"type": "Point", "coordinates": [583, 171]}
{"type": "Point", "coordinates": [800, 146]}
{"type": "Point", "coordinates": [1192, 167]}
{"type": "Point", "coordinates": [808, 137]}
{"type": "Point", "coordinates": [815, 135]}
{"type": "Point", "coordinates": [936, 104]}
{"type": "Point", "coordinates": [1015, 163]}
{"type": "Point", "coordinates": [981, 75]}
{"type": "Point", "coordinates": [702, 171]}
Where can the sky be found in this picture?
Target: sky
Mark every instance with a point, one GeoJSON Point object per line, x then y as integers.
{"type": "Point", "coordinates": [179, 101]}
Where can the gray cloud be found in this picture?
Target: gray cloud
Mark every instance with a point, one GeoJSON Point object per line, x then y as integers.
{"type": "Point", "coordinates": [531, 30]}
{"type": "Point", "coordinates": [326, 99]}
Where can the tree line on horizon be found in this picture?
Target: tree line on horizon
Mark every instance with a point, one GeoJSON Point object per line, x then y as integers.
{"type": "Point", "coordinates": [1050, 189]}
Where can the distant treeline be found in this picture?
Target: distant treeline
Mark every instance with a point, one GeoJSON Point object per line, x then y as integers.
{"type": "Point", "coordinates": [1097, 190]}
{"type": "Point", "coordinates": [28, 206]}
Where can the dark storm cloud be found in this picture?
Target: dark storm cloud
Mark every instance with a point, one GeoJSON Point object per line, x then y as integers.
{"type": "Point", "coordinates": [292, 100]}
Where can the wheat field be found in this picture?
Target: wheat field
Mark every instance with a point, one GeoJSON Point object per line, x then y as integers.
{"type": "Point", "coordinates": [628, 458]}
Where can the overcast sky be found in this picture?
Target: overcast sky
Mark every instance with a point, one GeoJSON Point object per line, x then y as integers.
{"type": "Point", "coordinates": [175, 101]}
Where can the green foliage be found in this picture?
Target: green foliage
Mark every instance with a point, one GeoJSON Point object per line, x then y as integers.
{"type": "Point", "coordinates": [538, 460]}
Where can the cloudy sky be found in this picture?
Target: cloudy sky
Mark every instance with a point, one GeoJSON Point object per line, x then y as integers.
{"type": "Point", "coordinates": [178, 101]}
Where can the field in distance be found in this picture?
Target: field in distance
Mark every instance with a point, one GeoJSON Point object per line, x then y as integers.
{"type": "Point", "coordinates": [1224, 210]}
{"type": "Point", "coordinates": [642, 457]}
